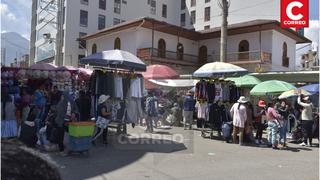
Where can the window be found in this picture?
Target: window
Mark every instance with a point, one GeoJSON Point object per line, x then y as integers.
{"type": "Point", "coordinates": [82, 43]}
{"type": "Point", "coordinates": [243, 50]}
{"type": "Point", "coordinates": [180, 51]}
{"type": "Point", "coordinates": [153, 7]}
{"type": "Point", "coordinates": [101, 21]}
{"type": "Point", "coordinates": [207, 14]}
{"type": "Point", "coordinates": [117, 6]}
{"type": "Point", "coordinates": [94, 49]}
{"type": "Point", "coordinates": [183, 4]}
{"type": "Point", "coordinates": [206, 27]}
{"type": "Point", "coordinates": [79, 57]}
{"type": "Point", "coordinates": [116, 21]}
{"type": "Point", "coordinates": [285, 58]}
{"type": "Point", "coordinates": [83, 18]}
{"type": "Point", "coordinates": [102, 4]}
{"type": "Point", "coordinates": [183, 19]}
{"type": "Point", "coordinates": [85, 2]}
{"type": "Point", "coordinates": [206, 1]}
{"type": "Point", "coordinates": [161, 48]}
{"type": "Point", "coordinates": [193, 3]}
{"type": "Point", "coordinates": [193, 17]}
{"type": "Point", "coordinates": [164, 10]}
{"type": "Point", "coordinates": [202, 57]}
{"type": "Point", "coordinates": [117, 43]}
{"type": "Point", "coordinates": [124, 2]}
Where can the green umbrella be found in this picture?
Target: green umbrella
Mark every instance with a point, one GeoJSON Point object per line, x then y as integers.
{"type": "Point", "coordinates": [245, 81]}
{"type": "Point", "coordinates": [272, 87]}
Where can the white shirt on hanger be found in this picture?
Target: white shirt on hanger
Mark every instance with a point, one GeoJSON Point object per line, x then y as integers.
{"type": "Point", "coordinates": [118, 87]}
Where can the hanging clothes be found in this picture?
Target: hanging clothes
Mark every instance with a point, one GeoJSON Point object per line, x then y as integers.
{"type": "Point", "coordinates": [225, 92]}
{"type": "Point", "coordinates": [218, 89]}
{"type": "Point", "coordinates": [134, 110]}
{"type": "Point", "coordinates": [126, 81]}
{"type": "Point", "coordinates": [211, 92]}
{"type": "Point", "coordinates": [118, 87]}
{"type": "Point", "coordinates": [201, 90]}
{"type": "Point", "coordinates": [202, 109]}
{"type": "Point", "coordinates": [135, 88]}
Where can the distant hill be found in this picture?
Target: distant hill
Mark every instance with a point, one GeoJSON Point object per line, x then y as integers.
{"type": "Point", "coordinates": [14, 45]}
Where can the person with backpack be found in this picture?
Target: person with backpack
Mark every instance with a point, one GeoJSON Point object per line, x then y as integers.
{"type": "Point", "coordinates": [151, 110]}
{"type": "Point", "coordinates": [239, 114]}
{"type": "Point", "coordinates": [306, 120]}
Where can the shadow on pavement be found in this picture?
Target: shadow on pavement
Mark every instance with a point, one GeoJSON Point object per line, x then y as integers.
{"type": "Point", "coordinates": [119, 153]}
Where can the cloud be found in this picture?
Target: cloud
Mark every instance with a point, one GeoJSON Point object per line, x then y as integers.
{"type": "Point", "coordinates": [16, 16]}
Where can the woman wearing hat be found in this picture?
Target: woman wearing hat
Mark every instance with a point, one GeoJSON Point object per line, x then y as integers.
{"type": "Point", "coordinates": [260, 118]}
{"type": "Point", "coordinates": [103, 119]}
{"type": "Point", "coordinates": [306, 120]}
{"type": "Point", "coordinates": [239, 114]}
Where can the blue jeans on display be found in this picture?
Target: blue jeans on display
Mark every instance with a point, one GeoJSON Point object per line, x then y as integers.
{"type": "Point", "coordinates": [283, 132]}
{"type": "Point", "coordinates": [272, 132]}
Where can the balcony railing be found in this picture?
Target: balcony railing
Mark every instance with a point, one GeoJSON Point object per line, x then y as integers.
{"type": "Point", "coordinates": [148, 53]}
{"type": "Point", "coordinates": [244, 57]}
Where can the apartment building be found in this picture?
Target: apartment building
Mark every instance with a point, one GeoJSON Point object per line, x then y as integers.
{"type": "Point", "coordinates": [78, 18]}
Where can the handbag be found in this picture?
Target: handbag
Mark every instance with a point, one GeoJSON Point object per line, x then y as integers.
{"type": "Point", "coordinates": [102, 122]}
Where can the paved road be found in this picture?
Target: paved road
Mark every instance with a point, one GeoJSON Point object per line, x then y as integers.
{"type": "Point", "coordinates": [178, 154]}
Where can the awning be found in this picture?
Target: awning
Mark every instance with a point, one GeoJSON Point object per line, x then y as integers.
{"type": "Point", "coordinates": [175, 82]}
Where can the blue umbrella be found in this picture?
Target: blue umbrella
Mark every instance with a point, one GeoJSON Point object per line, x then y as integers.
{"type": "Point", "coordinates": [312, 88]}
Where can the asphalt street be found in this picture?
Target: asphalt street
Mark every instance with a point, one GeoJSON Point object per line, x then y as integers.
{"type": "Point", "coordinates": [184, 154]}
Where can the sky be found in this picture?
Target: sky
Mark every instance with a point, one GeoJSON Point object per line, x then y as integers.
{"type": "Point", "coordinates": [16, 15]}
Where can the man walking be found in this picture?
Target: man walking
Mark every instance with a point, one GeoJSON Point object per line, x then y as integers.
{"type": "Point", "coordinates": [188, 108]}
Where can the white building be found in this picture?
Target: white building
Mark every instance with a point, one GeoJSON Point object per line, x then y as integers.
{"type": "Point", "coordinates": [81, 17]}
{"type": "Point", "coordinates": [259, 45]}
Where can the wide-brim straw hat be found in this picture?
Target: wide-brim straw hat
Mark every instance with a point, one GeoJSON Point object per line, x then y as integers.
{"type": "Point", "coordinates": [242, 99]}
{"type": "Point", "coordinates": [103, 98]}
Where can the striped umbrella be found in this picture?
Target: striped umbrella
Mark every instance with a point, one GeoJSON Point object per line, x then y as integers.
{"type": "Point", "coordinates": [219, 69]}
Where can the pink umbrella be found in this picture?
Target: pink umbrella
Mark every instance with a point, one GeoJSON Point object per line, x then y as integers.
{"type": "Point", "coordinates": [43, 66]}
{"type": "Point", "coordinates": [160, 72]}
{"type": "Point", "coordinates": [67, 68]}
{"type": "Point", "coordinates": [85, 71]}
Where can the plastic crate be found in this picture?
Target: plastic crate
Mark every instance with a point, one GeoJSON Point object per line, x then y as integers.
{"type": "Point", "coordinates": [81, 129]}
{"type": "Point", "coordinates": [79, 144]}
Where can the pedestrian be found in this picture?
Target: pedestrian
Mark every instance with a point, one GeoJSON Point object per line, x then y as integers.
{"type": "Point", "coordinates": [83, 103]}
{"type": "Point", "coordinates": [239, 114]}
{"type": "Point", "coordinates": [28, 133]}
{"type": "Point", "coordinates": [249, 123]}
{"type": "Point", "coordinates": [260, 117]}
{"type": "Point", "coordinates": [8, 119]}
{"type": "Point", "coordinates": [103, 119]}
{"type": "Point", "coordinates": [55, 96]}
{"type": "Point", "coordinates": [273, 125]}
{"type": "Point", "coordinates": [284, 112]}
{"type": "Point", "coordinates": [64, 109]}
{"type": "Point", "coordinates": [306, 120]}
{"type": "Point", "coordinates": [188, 109]}
{"type": "Point", "coordinates": [39, 100]}
{"type": "Point", "coordinates": [26, 100]}
{"type": "Point", "coordinates": [151, 110]}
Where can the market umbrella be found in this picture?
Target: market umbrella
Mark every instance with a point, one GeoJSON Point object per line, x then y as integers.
{"type": "Point", "coordinates": [115, 59]}
{"type": "Point", "coordinates": [292, 93]}
{"type": "Point", "coordinates": [67, 68]}
{"type": "Point", "coordinates": [312, 88]}
{"type": "Point", "coordinates": [245, 81]}
{"type": "Point", "coordinates": [43, 66]}
{"type": "Point", "coordinates": [158, 71]}
{"type": "Point", "coordinates": [272, 87]}
{"type": "Point", "coordinates": [175, 83]}
{"type": "Point", "coordinates": [219, 69]}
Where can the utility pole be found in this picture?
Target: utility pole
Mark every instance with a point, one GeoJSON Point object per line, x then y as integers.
{"type": "Point", "coordinates": [59, 38]}
{"type": "Point", "coordinates": [224, 5]}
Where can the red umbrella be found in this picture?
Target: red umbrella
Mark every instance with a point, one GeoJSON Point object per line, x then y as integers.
{"type": "Point", "coordinates": [43, 66]}
{"type": "Point", "coordinates": [160, 72]}
{"type": "Point", "coordinates": [67, 68]}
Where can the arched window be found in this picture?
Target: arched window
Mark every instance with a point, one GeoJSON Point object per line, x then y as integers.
{"type": "Point", "coordinates": [180, 51]}
{"type": "Point", "coordinates": [161, 48]}
{"type": "Point", "coordinates": [202, 57]}
{"type": "Point", "coordinates": [117, 43]}
{"type": "Point", "coordinates": [94, 49]}
{"type": "Point", "coordinates": [243, 50]}
{"type": "Point", "coordinates": [285, 58]}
